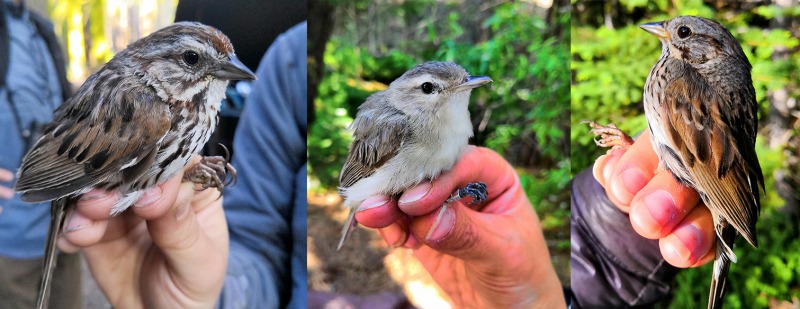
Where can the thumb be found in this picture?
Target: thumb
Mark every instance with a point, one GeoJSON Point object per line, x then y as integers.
{"type": "Point", "coordinates": [457, 230]}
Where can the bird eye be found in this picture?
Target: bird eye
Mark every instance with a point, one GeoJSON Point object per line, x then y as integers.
{"type": "Point", "coordinates": [427, 87]}
{"type": "Point", "coordinates": [191, 57]}
{"type": "Point", "coordinates": [684, 32]}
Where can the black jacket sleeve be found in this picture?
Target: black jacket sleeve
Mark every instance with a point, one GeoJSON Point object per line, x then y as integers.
{"type": "Point", "coordinates": [612, 266]}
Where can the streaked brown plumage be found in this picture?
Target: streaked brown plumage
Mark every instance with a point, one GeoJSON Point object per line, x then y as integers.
{"type": "Point", "coordinates": [701, 109]}
{"type": "Point", "coordinates": [134, 124]}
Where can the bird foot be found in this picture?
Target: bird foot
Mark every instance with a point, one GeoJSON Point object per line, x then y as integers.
{"type": "Point", "coordinates": [212, 172]}
{"type": "Point", "coordinates": [476, 190]}
{"type": "Point", "coordinates": [609, 136]}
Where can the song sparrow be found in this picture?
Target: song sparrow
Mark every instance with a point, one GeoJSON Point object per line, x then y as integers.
{"type": "Point", "coordinates": [701, 109]}
{"type": "Point", "coordinates": [410, 132]}
{"type": "Point", "coordinates": [134, 124]}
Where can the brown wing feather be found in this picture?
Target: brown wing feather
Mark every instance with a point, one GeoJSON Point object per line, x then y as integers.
{"type": "Point", "coordinates": [87, 143]}
{"type": "Point", "coordinates": [377, 136]}
{"type": "Point", "coordinates": [714, 157]}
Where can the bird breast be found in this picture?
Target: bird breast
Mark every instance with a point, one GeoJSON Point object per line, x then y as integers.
{"type": "Point", "coordinates": [192, 126]}
{"type": "Point", "coordinates": [433, 147]}
{"type": "Point", "coordinates": [656, 115]}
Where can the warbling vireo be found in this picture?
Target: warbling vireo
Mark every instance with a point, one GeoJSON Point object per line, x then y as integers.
{"type": "Point", "coordinates": [410, 132]}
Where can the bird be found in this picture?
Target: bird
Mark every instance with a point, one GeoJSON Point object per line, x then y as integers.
{"type": "Point", "coordinates": [133, 125]}
{"type": "Point", "coordinates": [701, 109]}
{"type": "Point", "coordinates": [411, 132]}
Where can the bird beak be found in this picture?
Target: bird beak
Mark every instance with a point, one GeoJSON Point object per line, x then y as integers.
{"type": "Point", "coordinates": [233, 70]}
{"type": "Point", "coordinates": [474, 82]}
{"type": "Point", "coordinates": [657, 29]}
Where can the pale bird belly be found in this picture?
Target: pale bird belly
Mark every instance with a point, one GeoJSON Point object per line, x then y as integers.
{"type": "Point", "coordinates": [410, 167]}
{"type": "Point", "coordinates": [399, 174]}
{"type": "Point", "coordinates": [196, 136]}
{"type": "Point", "coordinates": [187, 141]}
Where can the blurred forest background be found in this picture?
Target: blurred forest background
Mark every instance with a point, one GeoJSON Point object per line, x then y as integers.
{"type": "Point", "coordinates": [611, 58]}
{"type": "Point", "coordinates": [91, 32]}
{"type": "Point", "coordinates": [358, 47]}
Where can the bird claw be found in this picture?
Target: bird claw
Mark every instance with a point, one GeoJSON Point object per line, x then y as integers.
{"type": "Point", "coordinates": [609, 136]}
{"type": "Point", "coordinates": [476, 190]}
{"type": "Point", "coordinates": [212, 172]}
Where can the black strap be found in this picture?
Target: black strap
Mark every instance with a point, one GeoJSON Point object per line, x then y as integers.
{"type": "Point", "coordinates": [4, 43]}
{"type": "Point", "coordinates": [45, 29]}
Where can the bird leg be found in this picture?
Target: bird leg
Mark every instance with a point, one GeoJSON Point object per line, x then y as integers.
{"type": "Point", "coordinates": [609, 136]}
{"type": "Point", "coordinates": [211, 172]}
{"type": "Point", "coordinates": [476, 190]}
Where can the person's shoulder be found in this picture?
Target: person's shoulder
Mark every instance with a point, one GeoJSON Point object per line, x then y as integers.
{"type": "Point", "coordinates": [295, 35]}
{"type": "Point", "coordinates": [42, 21]}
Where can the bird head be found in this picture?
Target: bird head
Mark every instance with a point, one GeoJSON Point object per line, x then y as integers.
{"type": "Point", "coordinates": [701, 42]}
{"type": "Point", "coordinates": [185, 58]}
{"type": "Point", "coordinates": [433, 86]}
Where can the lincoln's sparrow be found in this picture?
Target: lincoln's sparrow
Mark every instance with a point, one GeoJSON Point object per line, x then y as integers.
{"type": "Point", "coordinates": [701, 109]}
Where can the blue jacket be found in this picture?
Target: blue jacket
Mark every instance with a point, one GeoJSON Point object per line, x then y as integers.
{"type": "Point", "coordinates": [23, 227]}
{"type": "Point", "coordinates": [266, 210]}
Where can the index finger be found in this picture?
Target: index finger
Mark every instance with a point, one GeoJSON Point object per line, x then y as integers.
{"type": "Point", "coordinates": [624, 173]}
{"type": "Point", "coordinates": [6, 175]}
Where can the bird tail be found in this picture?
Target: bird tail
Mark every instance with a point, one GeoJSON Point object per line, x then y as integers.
{"type": "Point", "coordinates": [726, 235]}
{"type": "Point", "coordinates": [58, 214]}
{"type": "Point", "coordinates": [718, 282]}
{"type": "Point", "coordinates": [348, 227]}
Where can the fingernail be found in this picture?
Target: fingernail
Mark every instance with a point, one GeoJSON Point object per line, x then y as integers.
{"type": "Point", "coordinates": [596, 168]}
{"type": "Point", "coordinates": [93, 195]}
{"type": "Point", "coordinates": [690, 237]}
{"type": "Point", "coordinates": [661, 207]}
{"type": "Point", "coordinates": [633, 180]}
{"type": "Point", "coordinates": [444, 224]}
{"type": "Point", "coordinates": [416, 193]}
{"type": "Point", "coordinates": [150, 195]}
{"type": "Point", "coordinates": [372, 202]}
{"type": "Point", "coordinates": [394, 235]}
{"type": "Point", "coordinates": [609, 165]}
{"type": "Point", "coordinates": [76, 222]}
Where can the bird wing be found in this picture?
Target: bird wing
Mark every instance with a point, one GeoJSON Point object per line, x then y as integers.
{"type": "Point", "coordinates": [378, 133]}
{"type": "Point", "coordinates": [716, 140]}
{"type": "Point", "coordinates": [89, 141]}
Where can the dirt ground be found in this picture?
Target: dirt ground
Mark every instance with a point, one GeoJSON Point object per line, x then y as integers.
{"type": "Point", "coordinates": [366, 265]}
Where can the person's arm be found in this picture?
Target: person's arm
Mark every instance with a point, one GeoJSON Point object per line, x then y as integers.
{"type": "Point", "coordinates": [262, 209]}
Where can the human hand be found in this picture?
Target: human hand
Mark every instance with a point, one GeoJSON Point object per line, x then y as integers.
{"type": "Point", "coordinates": [495, 257]}
{"type": "Point", "coordinates": [169, 250]}
{"type": "Point", "coordinates": [659, 207]}
{"type": "Point", "coordinates": [6, 193]}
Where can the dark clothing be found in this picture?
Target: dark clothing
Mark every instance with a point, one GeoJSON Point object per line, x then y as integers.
{"type": "Point", "coordinates": [20, 280]}
{"type": "Point", "coordinates": [612, 266]}
{"type": "Point", "coordinates": [251, 25]}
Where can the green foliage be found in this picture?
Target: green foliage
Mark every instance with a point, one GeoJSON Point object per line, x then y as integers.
{"type": "Point", "coordinates": [770, 272]}
{"type": "Point", "coordinates": [609, 68]}
{"type": "Point", "coordinates": [522, 115]}
{"type": "Point", "coordinates": [545, 189]}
